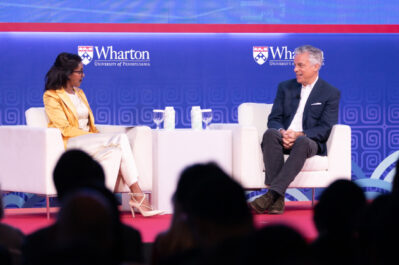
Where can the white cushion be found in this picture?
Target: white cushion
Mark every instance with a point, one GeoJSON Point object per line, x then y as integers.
{"type": "Point", "coordinates": [254, 114]}
{"type": "Point", "coordinates": [36, 117]}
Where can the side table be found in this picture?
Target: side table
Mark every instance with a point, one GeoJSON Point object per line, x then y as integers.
{"type": "Point", "coordinates": [174, 150]}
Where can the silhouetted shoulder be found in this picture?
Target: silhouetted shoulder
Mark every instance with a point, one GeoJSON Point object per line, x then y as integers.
{"type": "Point", "coordinates": [11, 237]}
{"type": "Point", "coordinates": [132, 244]}
{"type": "Point", "coordinates": [38, 244]}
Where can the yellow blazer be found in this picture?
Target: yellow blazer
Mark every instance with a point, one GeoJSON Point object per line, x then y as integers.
{"type": "Point", "coordinates": [62, 113]}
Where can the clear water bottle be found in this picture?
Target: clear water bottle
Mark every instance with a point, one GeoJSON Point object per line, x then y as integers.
{"type": "Point", "coordinates": [196, 118]}
{"type": "Point", "coordinates": [169, 122]}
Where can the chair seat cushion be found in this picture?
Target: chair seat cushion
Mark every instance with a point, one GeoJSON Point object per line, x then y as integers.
{"type": "Point", "coordinates": [315, 163]}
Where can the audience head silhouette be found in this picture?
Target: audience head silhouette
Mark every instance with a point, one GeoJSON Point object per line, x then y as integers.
{"type": "Point", "coordinates": [76, 169]}
{"type": "Point", "coordinates": [379, 227]}
{"type": "Point", "coordinates": [339, 207]}
{"type": "Point", "coordinates": [214, 204]}
{"type": "Point", "coordinates": [201, 185]}
{"type": "Point", "coordinates": [280, 243]}
{"type": "Point", "coordinates": [88, 228]}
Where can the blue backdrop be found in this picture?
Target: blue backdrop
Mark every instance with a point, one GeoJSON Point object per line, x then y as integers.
{"type": "Point", "coordinates": [129, 74]}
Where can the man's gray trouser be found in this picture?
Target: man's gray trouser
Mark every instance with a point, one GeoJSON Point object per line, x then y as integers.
{"type": "Point", "coordinates": [279, 174]}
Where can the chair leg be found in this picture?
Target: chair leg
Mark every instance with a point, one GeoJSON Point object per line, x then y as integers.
{"type": "Point", "coordinates": [48, 206]}
{"type": "Point", "coordinates": [313, 195]}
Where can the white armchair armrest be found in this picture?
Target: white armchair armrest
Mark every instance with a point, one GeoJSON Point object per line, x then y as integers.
{"type": "Point", "coordinates": [248, 168]}
{"type": "Point", "coordinates": [140, 138]}
{"type": "Point", "coordinates": [339, 152]}
{"type": "Point", "coordinates": [27, 158]}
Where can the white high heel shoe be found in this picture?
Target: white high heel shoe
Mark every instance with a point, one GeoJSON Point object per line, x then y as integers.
{"type": "Point", "coordinates": [134, 203]}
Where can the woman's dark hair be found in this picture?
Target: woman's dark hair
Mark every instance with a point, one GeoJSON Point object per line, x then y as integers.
{"type": "Point", "coordinates": [64, 65]}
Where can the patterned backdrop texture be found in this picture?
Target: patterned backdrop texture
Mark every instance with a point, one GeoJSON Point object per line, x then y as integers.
{"type": "Point", "coordinates": [127, 75]}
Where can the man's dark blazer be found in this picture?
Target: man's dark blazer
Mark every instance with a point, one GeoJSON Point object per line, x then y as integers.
{"type": "Point", "coordinates": [319, 115]}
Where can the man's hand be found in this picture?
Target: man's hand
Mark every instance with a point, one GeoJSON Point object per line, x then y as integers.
{"type": "Point", "coordinates": [289, 137]}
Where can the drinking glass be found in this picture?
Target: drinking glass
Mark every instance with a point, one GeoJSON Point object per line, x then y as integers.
{"type": "Point", "coordinates": [207, 117]}
{"type": "Point", "coordinates": [158, 116]}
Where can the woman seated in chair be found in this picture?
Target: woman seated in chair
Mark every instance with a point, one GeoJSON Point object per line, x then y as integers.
{"type": "Point", "coordinates": [67, 108]}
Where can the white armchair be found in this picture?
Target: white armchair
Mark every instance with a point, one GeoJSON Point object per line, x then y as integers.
{"type": "Point", "coordinates": [248, 167]}
{"type": "Point", "coordinates": [29, 154]}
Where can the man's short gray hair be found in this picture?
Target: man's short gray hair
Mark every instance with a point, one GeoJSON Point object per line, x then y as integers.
{"type": "Point", "coordinates": [315, 54]}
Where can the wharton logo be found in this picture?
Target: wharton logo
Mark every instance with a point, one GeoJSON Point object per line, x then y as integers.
{"type": "Point", "coordinates": [279, 55]}
{"type": "Point", "coordinates": [108, 56]}
{"type": "Point", "coordinates": [260, 54]}
{"type": "Point", "coordinates": [86, 53]}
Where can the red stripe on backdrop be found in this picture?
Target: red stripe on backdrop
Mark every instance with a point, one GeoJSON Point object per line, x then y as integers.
{"type": "Point", "coordinates": [195, 28]}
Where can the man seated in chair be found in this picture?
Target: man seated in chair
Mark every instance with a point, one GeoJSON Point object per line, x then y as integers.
{"type": "Point", "coordinates": [303, 113]}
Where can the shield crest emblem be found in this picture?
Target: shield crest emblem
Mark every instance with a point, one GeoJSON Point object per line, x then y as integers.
{"type": "Point", "coordinates": [86, 53]}
{"type": "Point", "coordinates": [260, 54]}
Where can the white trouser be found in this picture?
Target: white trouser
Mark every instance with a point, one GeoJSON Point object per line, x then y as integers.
{"type": "Point", "coordinates": [113, 152]}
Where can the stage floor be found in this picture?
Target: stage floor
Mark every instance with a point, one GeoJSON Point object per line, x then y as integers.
{"type": "Point", "coordinates": [298, 215]}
